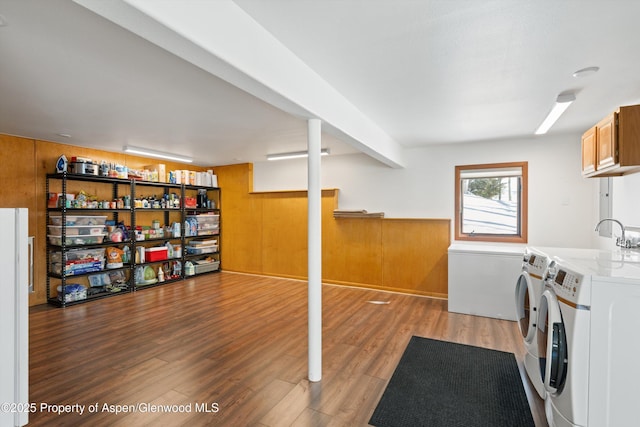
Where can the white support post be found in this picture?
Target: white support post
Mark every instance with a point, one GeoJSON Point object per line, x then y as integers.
{"type": "Point", "coordinates": [314, 200]}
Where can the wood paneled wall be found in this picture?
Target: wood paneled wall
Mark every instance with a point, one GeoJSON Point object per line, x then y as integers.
{"type": "Point", "coordinates": [266, 233]}
{"type": "Point", "coordinates": [18, 184]}
{"type": "Point", "coordinates": [26, 162]}
{"type": "Point", "coordinates": [263, 233]}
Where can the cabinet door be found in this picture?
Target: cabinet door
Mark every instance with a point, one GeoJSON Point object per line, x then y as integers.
{"type": "Point", "coordinates": [589, 151]}
{"type": "Point", "coordinates": [607, 140]}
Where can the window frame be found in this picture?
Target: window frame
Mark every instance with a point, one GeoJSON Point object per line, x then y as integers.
{"type": "Point", "coordinates": [523, 205]}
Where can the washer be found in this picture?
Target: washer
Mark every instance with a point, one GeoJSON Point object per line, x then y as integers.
{"type": "Point", "coordinates": [529, 288]}
{"type": "Point", "coordinates": [589, 318]}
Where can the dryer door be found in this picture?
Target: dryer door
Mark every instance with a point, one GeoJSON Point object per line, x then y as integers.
{"type": "Point", "coordinates": [552, 343]}
{"type": "Point", "coordinates": [526, 311]}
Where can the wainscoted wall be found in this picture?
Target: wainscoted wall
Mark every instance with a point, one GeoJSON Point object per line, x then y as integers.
{"type": "Point", "coordinates": [266, 233]}
{"type": "Point", "coordinates": [262, 232]}
{"type": "Point", "coordinates": [562, 204]}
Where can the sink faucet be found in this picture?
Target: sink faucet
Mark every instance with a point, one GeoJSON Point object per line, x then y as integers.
{"type": "Point", "coordinates": [620, 241]}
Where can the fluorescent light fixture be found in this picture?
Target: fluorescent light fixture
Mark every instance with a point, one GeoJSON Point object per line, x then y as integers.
{"type": "Point", "coordinates": [158, 154]}
{"type": "Point", "coordinates": [295, 155]}
{"type": "Point", "coordinates": [562, 103]}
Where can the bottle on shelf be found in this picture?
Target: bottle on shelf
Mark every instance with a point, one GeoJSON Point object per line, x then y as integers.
{"type": "Point", "coordinates": [189, 269]}
{"type": "Point", "coordinates": [170, 251]}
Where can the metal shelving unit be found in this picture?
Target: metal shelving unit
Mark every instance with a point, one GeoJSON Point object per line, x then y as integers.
{"type": "Point", "coordinates": [130, 215]}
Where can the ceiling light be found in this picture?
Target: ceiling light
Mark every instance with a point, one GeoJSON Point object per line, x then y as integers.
{"type": "Point", "coordinates": [562, 103]}
{"type": "Point", "coordinates": [295, 154]}
{"type": "Point", "coordinates": [158, 154]}
{"type": "Point", "coordinates": [586, 72]}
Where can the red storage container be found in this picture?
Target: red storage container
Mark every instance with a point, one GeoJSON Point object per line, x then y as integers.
{"type": "Point", "coordinates": [155, 254]}
{"type": "Point", "coordinates": [190, 202]}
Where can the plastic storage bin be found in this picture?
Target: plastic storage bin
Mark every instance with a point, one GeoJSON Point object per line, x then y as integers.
{"type": "Point", "coordinates": [77, 240]}
{"type": "Point", "coordinates": [75, 268]}
{"type": "Point", "coordinates": [200, 243]}
{"type": "Point", "coordinates": [202, 249]}
{"type": "Point", "coordinates": [203, 225]}
{"type": "Point", "coordinates": [79, 254]}
{"type": "Point", "coordinates": [78, 262]}
{"type": "Point", "coordinates": [72, 292]}
{"type": "Point", "coordinates": [79, 220]}
{"type": "Point", "coordinates": [203, 266]}
{"type": "Point", "coordinates": [76, 230]}
{"type": "Point", "coordinates": [198, 247]}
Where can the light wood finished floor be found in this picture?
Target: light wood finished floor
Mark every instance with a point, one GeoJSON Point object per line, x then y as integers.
{"type": "Point", "coordinates": [235, 344]}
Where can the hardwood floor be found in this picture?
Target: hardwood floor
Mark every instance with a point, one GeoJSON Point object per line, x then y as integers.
{"type": "Point", "coordinates": [231, 350]}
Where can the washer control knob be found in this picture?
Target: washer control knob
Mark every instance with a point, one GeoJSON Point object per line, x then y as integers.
{"type": "Point", "coordinates": [551, 272]}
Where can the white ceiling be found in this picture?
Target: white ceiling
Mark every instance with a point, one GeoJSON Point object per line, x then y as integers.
{"type": "Point", "coordinates": [418, 71]}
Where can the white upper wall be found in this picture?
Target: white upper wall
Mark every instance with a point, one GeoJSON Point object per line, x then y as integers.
{"type": "Point", "coordinates": [562, 204]}
{"type": "Point", "coordinates": [625, 197]}
{"type": "Point", "coordinates": [626, 200]}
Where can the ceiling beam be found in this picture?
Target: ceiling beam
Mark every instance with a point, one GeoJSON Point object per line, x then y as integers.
{"type": "Point", "coordinates": [222, 39]}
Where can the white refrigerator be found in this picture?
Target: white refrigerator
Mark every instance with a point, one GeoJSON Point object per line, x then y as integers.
{"type": "Point", "coordinates": [14, 317]}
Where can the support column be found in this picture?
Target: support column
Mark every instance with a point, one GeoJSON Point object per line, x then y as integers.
{"type": "Point", "coordinates": [314, 200]}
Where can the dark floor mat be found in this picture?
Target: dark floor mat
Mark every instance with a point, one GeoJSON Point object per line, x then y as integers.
{"type": "Point", "coordinates": [444, 384]}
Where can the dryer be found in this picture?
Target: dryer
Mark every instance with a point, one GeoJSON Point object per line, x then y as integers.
{"type": "Point", "coordinates": [529, 288]}
{"type": "Point", "coordinates": [589, 318]}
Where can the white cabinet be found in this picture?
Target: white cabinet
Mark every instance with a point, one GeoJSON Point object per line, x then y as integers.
{"type": "Point", "coordinates": [482, 279]}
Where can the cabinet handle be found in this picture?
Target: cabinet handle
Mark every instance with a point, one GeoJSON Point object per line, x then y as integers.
{"type": "Point", "coordinates": [30, 244]}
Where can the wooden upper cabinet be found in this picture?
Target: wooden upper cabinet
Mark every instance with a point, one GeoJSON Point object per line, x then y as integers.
{"type": "Point", "coordinates": [612, 147]}
{"type": "Point", "coordinates": [589, 151]}
{"type": "Point", "coordinates": [607, 141]}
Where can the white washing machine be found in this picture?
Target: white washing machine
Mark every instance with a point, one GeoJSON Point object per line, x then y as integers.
{"type": "Point", "coordinates": [589, 318]}
{"type": "Point", "coordinates": [529, 288]}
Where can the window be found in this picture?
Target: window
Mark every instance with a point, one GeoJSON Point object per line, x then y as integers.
{"type": "Point", "coordinates": [491, 202]}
